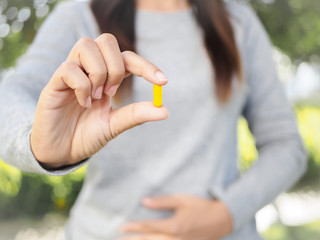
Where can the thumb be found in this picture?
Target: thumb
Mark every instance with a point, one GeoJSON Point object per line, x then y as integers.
{"type": "Point", "coordinates": [133, 115]}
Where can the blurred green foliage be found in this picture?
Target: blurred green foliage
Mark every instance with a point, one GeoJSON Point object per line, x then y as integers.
{"type": "Point", "coordinates": [16, 42]}
{"type": "Point", "coordinates": [34, 195]}
{"type": "Point", "coordinates": [246, 145]}
{"type": "Point", "coordinates": [309, 126]}
{"type": "Point", "coordinates": [293, 25]}
{"type": "Point", "coordinates": [279, 232]}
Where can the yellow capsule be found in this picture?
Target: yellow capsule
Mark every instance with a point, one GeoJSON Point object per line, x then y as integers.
{"type": "Point", "coordinates": [157, 95]}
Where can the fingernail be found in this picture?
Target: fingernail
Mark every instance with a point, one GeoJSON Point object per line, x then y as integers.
{"type": "Point", "coordinates": [98, 93]}
{"type": "Point", "coordinates": [161, 77]}
{"type": "Point", "coordinates": [89, 102]}
{"type": "Point", "coordinates": [112, 90]}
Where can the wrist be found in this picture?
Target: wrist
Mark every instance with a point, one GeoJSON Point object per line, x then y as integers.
{"type": "Point", "coordinates": [42, 157]}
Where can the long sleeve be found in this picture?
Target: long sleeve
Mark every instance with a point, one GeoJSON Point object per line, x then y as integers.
{"type": "Point", "coordinates": [282, 158]}
{"type": "Point", "coordinates": [19, 93]}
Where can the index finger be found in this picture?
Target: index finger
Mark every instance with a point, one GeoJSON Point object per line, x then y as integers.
{"type": "Point", "coordinates": [140, 67]}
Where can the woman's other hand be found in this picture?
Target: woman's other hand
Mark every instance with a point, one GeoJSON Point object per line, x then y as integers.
{"type": "Point", "coordinates": [74, 118]}
{"type": "Point", "coordinates": [193, 218]}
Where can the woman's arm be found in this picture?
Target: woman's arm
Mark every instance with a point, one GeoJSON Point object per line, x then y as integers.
{"type": "Point", "coordinates": [20, 92]}
{"type": "Point", "coordinates": [282, 158]}
{"type": "Point", "coordinates": [73, 118]}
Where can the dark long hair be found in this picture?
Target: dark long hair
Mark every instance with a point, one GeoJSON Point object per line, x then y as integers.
{"type": "Point", "coordinates": [118, 17]}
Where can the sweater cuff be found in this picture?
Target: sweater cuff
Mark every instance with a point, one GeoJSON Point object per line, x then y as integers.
{"type": "Point", "coordinates": [239, 213]}
{"type": "Point", "coordinates": [28, 163]}
{"type": "Point", "coordinates": [236, 204]}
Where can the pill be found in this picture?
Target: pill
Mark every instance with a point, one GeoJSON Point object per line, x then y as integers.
{"type": "Point", "coordinates": [157, 95]}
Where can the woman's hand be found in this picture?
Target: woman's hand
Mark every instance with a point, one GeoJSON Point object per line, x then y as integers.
{"type": "Point", "coordinates": [74, 118]}
{"type": "Point", "coordinates": [193, 219]}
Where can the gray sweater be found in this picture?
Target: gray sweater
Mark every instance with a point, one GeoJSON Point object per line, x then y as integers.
{"type": "Point", "coordinates": [194, 151]}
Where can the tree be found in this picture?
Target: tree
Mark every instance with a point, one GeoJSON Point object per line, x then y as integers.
{"type": "Point", "coordinates": [293, 25]}
{"type": "Point", "coordinates": [19, 21]}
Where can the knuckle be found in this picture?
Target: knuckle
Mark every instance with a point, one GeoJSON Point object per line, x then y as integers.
{"type": "Point", "coordinates": [99, 75]}
{"type": "Point", "coordinates": [128, 53]}
{"type": "Point", "coordinates": [79, 93]}
{"type": "Point", "coordinates": [137, 116]}
{"type": "Point", "coordinates": [68, 66]}
{"type": "Point", "coordinates": [108, 37]}
{"type": "Point", "coordinates": [82, 85]}
{"type": "Point", "coordinates": [84, 42]}
{"type": "Point", "coordinates": [117, 73]}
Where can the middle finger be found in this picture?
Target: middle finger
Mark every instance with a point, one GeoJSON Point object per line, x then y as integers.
{"type": "Point", "coordinates": [111, 53]}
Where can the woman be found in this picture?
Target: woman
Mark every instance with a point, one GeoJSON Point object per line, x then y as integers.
{"type": "Point", "coordinates": [183, 170]}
